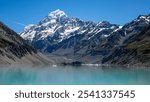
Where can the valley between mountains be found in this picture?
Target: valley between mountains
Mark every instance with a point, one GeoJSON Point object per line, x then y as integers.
{"type": "Point", "coordinates": [59, 39]}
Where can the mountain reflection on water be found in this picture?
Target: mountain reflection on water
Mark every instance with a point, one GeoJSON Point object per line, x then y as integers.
{"type": "Point", "coordinates": [69, 75]}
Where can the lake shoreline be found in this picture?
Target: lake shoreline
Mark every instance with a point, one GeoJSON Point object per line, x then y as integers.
{"type": "Point", "coordinates": [75, 65]}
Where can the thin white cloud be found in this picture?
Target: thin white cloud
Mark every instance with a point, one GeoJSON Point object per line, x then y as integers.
{"type": "Point", "coordinates": [18, 23]}
{"type": "Point", "coordinates": [12, 21]}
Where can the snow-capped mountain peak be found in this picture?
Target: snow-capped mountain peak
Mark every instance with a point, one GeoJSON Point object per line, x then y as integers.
{"type": "Point", "coordinates": [57, 14]}
{"type": "Point", "coordinates": [56, 24]}
{"type": "Point", "coordinates": [57, 27]}
{"type": "Point", "coordinates": [54, 17]}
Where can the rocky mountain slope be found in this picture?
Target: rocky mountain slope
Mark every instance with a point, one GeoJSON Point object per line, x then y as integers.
{"type": "Point", "coordinates": [15, 51]}
{"type": "Point", "coordinates": [85, 41]}
{"type": "Point", "coordinates": [134, 51]}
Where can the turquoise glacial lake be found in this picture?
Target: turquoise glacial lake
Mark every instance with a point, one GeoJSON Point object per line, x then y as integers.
{"type": "Point", "coordinates": [69, 75]}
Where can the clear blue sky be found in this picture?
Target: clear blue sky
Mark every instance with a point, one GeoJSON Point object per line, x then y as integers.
{"type": "Point", "coordinates": [18, 13]}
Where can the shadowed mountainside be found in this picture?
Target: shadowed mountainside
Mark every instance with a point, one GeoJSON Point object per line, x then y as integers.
{"type": "Point", "coordinates": [15, 51]}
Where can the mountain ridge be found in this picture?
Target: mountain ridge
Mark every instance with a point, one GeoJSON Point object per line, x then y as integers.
{"type": "Point", "coordinates": [64, 28]}
{"type": "Point", "coordinates": [83, 41]}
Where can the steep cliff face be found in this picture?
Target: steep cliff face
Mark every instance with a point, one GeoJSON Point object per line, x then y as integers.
{"type": "Point", "coordinates": [14, 49]}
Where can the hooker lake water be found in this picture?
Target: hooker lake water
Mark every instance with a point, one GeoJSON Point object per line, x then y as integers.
{"type": "Point", "coordinates": [69, 75]}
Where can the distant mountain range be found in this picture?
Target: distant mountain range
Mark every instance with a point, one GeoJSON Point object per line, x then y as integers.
{"type": "Point", "coordinates": [89, 42]}
{"type": "Point", "coordinates": [71, 40]}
